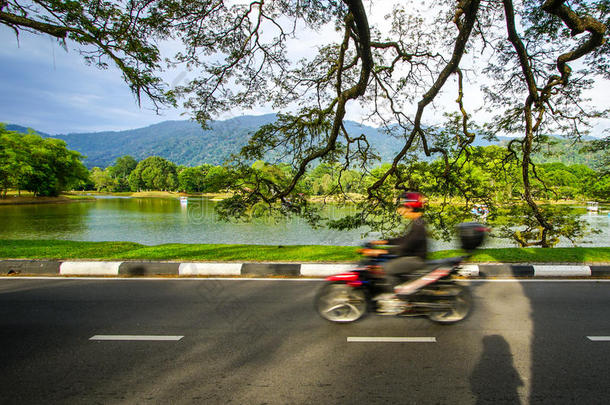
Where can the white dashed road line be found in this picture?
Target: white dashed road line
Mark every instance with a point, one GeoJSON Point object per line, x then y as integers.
{"type": "Point", "coordinates": [599, 338]}
{"type": "Point", "coordinates": [380, 339]}
{"type": "Point", "coordinates": [136, 337]}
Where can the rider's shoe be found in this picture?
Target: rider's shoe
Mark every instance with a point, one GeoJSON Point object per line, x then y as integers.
{"type": "Point", "coordinates": [385, 296]}
{"type": "Point", "coordinates": [389, 304]}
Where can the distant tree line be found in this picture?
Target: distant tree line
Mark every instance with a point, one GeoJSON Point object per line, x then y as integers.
{"type": "Point", "coordinates": [46, 167]}
{"type": "Point", "coordinates": [157, 174]}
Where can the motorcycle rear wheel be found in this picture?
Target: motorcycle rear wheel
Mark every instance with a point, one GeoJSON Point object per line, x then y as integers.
{"type": "Point", "coordinates": [338, 302]}
{"type": "Point", "coordinates": [461, 307]}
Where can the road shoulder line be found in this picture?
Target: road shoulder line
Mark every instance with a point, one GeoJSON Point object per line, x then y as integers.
{"type": "Point", "coordinates": [230, 269]}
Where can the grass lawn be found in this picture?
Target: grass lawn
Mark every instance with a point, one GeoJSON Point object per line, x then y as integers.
{"type": "Point", "coordinates": [61, 249]}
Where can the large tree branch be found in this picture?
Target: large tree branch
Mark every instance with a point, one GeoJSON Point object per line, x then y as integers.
{"type": "Point", "coordinates": [524, 62]}
{"type": "Point", "coordinates": [522, 55]}
{"type": "Point", "coordinates": [578, 25]}
{"type": "Point", "coordinates": [14, 20]}
{"type": "Point", "coordinates": [356, 18]}
{"type": "Point", "coordinates": [538, 98]}
{"type": "Point", "coordinates": [468, 10]}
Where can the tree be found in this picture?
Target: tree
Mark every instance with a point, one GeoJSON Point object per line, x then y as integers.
{"type": "Point", "coordinates": [54, 167]}
{"type": "Point", "coordinates": [43, 166]}
{"type": "Point", "coordinates": [192, 179]}
{"type": "Point", "coordinates": [216, 180]}
{"type": "Point", "coordinates": [603, 146]}
{"type": "Point", "coordinates": [399, 72]}
{"type": "Point", "coordinates": [154, 173]}
{"type": "Point", "coordinates": [533, 86]}
{"type": "Point", "coordinates": [123, 166]}
{"type": "Point", "coordinates": [102, 179]}
{"type": "Point", "coordinates": [14, 160]}
{"type": "Point", "coordinates": [120, 172]}
{"type": "Point", "coordinates": [601, 189]}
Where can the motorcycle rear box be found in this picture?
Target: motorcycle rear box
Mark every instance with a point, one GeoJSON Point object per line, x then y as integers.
{"type": "Point", "coordinates": [472, 235]}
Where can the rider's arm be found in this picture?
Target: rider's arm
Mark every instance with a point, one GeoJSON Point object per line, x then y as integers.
{"type": "Point", "coordinates": [374, 252]}
{"type": "Point", "coordinates": [379, 242]}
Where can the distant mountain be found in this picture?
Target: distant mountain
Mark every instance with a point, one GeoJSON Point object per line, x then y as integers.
{"type": "Point", "coordinates": [186, 143]}
{"type": "Point", "coordinates": [182, 142]}
{"type": "Point", "coordinates": [24, 130]}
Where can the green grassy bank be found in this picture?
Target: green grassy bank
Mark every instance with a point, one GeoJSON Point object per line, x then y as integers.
{"type": "Point", "coordinates": [61, 249]}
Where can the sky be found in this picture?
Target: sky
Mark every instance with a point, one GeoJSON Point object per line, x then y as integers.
{"type": "Point", "coordinates": [46, 88]}
{"type": "Point", "coordinates": [52, 90]}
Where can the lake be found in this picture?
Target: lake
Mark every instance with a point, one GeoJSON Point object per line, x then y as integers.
{"type": "Point", "coordinates": [153, 221]}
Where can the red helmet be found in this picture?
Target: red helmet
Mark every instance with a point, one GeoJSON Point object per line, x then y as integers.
{"type": "Point", "coordinates": [411, 199]}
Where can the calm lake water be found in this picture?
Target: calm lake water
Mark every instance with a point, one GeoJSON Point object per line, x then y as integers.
{"type": "Point", "coordinates": [154, 221]}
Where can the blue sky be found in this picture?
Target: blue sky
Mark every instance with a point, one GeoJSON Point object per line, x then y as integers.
{"type": "Point", "coordinates": [44, 87]}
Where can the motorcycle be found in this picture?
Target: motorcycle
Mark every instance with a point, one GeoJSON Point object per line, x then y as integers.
{"type": "Point", "coordinates": [433, 292]}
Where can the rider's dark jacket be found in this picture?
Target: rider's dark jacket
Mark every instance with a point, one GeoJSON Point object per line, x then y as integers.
{"type": "Point", "coordinates": [413, 242]}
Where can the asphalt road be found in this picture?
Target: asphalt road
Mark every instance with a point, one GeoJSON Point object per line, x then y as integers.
{"type": "Point", "coordinates": [260, 342]}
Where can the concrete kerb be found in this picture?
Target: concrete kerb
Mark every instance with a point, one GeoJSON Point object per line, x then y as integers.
{"type": "Point", "coordinates": [148, 268]}
{"type": "Point", "coordinates": [210, 269]}
{"type": "Point", "coordinates": [201, 269]}
{"type": "Point", "coordinates": [36, 267]}
{"type": "Point", "coordinates": [89, 268]}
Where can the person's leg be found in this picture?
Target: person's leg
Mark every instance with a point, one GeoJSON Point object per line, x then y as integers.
{"type": "Point", "coordinates": [401, 265]}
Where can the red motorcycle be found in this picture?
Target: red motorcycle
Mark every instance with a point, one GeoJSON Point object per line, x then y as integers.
{"type": "Point", "coordinates": [433, 292]}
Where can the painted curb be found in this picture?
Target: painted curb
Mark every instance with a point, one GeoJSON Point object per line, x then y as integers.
{"type": "Point", "coordinates": [144, 268]}
{"type": "Point", "coordinates": [210, 269]}
{"type": "Point", "coordinates": [271, 269]}
{"type": "Point", "coordinates": [506, 270]}
{"type": "Point", "coordinates": [29, 267]}
{"type": "Point", "coordinates": [470, 270]}
{"type": "Point", "coordinates": [566, 271]}
{"type": "Point", "coordinates": [89, 268]}
{"type": "Point", "coordinates": [597, 271]}
{"type": "Point", "coordinates": [148, 268]}
{"type": "Point", "coordinates": [324, 270]}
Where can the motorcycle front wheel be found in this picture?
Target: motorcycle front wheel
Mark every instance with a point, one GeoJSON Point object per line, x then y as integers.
{"type": "Point", "coordinates": [461, 305]}
{"type": "Point", "coordinates": [338, 302]}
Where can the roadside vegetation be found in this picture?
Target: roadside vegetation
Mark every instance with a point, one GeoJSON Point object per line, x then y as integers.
{"type": "Point", "coordinates": [62, 249]}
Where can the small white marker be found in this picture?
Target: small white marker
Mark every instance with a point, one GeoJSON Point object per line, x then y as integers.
{"type": "Point", "coordinates": [599, 338]}
{"type": "Point", "coordinates": [391, 339]}
{"type": "Point", "coordinates": [136, 337]}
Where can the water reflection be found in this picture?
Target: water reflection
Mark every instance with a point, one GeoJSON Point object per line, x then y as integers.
{"type": "Point", "coordinates": [44, 221]}
{"type": "Point", "coordinates": [166, 220]}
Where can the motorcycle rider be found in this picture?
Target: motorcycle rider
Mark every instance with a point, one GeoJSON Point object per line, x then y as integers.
{"type": "Point", "coordinates": [412, 247]}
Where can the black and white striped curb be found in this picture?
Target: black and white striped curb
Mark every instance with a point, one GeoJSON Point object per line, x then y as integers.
{"type": "Point", "coordinates": [134, 268]}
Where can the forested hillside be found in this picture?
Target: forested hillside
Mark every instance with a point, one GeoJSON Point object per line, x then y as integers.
{"type": "Point", "coordinates": [186, 143]}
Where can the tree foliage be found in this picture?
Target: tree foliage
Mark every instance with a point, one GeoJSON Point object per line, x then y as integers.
{"type": "Point", "coordinates": [43, 166]}
{"type": "Point", "coordinates": [122, 33]}
{"type": "Point", "coordinates": [154, 173]}
{"type": "Point", "coordinates": [537, 68]}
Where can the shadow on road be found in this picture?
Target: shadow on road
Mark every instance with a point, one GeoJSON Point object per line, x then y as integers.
{"type": "Point", "coordinates": [494, 379]}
